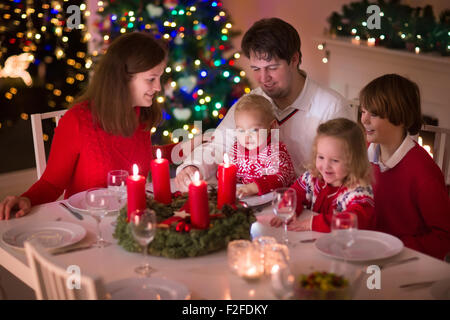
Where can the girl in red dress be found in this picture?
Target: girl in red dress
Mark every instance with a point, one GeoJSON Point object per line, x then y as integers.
{"type": "Point", "coordinates": [337, 179]}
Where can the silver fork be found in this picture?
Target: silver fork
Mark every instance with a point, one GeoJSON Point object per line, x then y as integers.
{"type": "Point", "coordinates": [417, 284]}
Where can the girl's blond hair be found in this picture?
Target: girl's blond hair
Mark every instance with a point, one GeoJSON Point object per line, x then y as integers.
{"type": "Point", "coordinates": [352, 135]}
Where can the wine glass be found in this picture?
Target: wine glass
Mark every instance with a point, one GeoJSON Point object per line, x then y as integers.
{"type": "Point", "coordinates": [98, 201]}
{"type": "Point", "coordinates": [117, 185]}
{"type": "Point", "coordinates": [284, 204]}
{"type": "Point", "coordinates": [343, 228]}
{"type": "Point", "coordinates": [143, 228]}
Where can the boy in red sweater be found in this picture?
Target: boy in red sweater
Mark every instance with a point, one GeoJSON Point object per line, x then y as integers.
{"type": "Point", "coordinates": [263, 164]}
{"type": "Point", "coordinates": [411, 200]}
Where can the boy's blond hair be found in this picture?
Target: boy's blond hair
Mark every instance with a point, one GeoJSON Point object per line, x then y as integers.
{"type": "Point", "coordinates": [349, 132]}
{"type": "Point", "coordinates": [256, 102]}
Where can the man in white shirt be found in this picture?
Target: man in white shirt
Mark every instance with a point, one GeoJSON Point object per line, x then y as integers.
{"type": "Point", "coordinates": [300, 104]}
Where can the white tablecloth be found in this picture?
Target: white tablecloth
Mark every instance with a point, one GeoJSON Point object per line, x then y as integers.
{"type": "Point", "coordinates": [208, 277]}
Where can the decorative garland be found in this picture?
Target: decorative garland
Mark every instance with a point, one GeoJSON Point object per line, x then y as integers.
{"type": "Point", "coordinates": [402, 27]}
{"type": "Point", "coordinates": [173, 241]}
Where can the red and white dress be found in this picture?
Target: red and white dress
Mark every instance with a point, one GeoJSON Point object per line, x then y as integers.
{"type": "Point", "coordinates": [269, 168]}
{"type": "Point", "coordinates": [326, 200]}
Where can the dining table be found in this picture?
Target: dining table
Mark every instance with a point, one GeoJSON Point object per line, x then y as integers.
{"type": "Point", "coordinates": [209, 277]}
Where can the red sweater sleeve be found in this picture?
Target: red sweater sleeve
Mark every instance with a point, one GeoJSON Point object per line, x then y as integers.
{"type": "Point", "coordinates": [301, 196]}
{"type": "Point", "coordinates": [61, 162]}
{"type": "Point", "coordinates": [434, 205]}
{"type": "Point", "coordinates": [280, 169]}
{"type": "Point", "coordinates": [365, 212]}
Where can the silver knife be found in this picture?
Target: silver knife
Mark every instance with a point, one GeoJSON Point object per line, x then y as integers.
{"type": "Point", "coordinates": [67, 250]}
{"type": "Point", "coordinates": [76, 214]}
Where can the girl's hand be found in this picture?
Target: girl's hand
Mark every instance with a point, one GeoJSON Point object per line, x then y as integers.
{"type": "Point", "coordinates": [247, 190]}
{"type": "Point", "coordinates": [14, 202]}
{"type": "Point", "coordinates": [300, 225]}
{"type": "Point", "coordinates": [276, 222]}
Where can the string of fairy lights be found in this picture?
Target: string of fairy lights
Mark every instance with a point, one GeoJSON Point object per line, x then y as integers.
{"type": "Point", "coordinates": [52, 20]}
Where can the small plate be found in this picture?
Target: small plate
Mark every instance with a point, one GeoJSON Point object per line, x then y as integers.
{"type": "Point", "coordinates": [254, 201]}
{"type": "Point", "coordinates": [441, 289]}
{"type": "Point", "coordinates": [77, 202]}
{"type": "Point", "coordinates": [50, 235]}
{"type": "Point", "coordinates": [369, 245]}
{"type": "Point", "coordinates": [147, 289]}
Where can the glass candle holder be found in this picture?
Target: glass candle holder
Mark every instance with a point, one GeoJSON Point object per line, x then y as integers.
{"type": "Point", "coordinates": [235, 250]}
{"type": "Point", "coordinates": [250, 265]}
{"type": "Point", "coordinates": [261, 243]}
{"type": "Point", "coordinates": [275, 254]}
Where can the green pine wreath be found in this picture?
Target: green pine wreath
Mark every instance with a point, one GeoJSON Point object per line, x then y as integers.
{"type": "Point", "coordinates": [225, 225]}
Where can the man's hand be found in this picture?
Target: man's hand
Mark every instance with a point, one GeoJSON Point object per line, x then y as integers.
{"type": "Point", "coordinates": [185, 177]}
{"type": "Point", "coordinates": [300, 225]}
{"type": "Point", "coordinates": [13, 202]}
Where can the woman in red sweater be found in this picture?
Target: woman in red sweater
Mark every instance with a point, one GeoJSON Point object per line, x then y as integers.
{"type": "Point", "coordinates": [411, 200]}
{"type": "Point", "coordinates": [107, 129]}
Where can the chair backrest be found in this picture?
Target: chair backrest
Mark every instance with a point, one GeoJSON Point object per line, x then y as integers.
{"type": "Point", "coordinates": [55, 282]}
{"type": "Point", "coordinates": [38, 137]}
{"type": "Point", "coordinates": [441, 148]}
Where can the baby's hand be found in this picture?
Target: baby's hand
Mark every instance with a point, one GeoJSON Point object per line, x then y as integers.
{"type": "Point", "coordinates": [247, 190]}
{"type": "Point", "coordinates": [276, 222]}
{"type": "Point", "coordinates": [300, 225]}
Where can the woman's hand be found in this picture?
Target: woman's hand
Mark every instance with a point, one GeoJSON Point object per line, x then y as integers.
{"type": "Point", "coordinates": [300, 225]}
{"type": "Point", "coordinates": [247, 190]}
{"type": "Point", "coordinates": [22, 204]}
{"type": "Point", "coordinates": [185, 177]}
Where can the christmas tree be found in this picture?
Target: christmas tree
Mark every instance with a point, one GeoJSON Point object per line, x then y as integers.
{"type": "Point", "coordinates": [201, 81]}
{"type": "Point", "coordinates": [43, 66]}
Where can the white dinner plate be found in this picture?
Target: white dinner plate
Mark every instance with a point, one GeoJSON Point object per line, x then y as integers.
{"type": "Point", "coordinates": [441, 289]}
{"type": "Point", "coordinates": [147, 289]}
{"type": "Point", "coordinates": [51, 234]}
{"type": "Point", "coordinates": [254, 201]}
{"type": "Point", "coordinates": [369, 245]}
{"type": "Point", "coordinates": [77, 202]}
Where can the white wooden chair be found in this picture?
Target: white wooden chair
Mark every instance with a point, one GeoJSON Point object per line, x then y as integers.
{"type": "Point", "coordinates": [38, 138]}
{"type": "Point", "coordinates": [441, 148]}
{"type": "Point", "coordinates": [54, 282]}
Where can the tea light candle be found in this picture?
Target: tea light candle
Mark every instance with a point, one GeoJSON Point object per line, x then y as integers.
{"type": "Point", "coordinates": [417, 49]}
{"type": "Point", "coordinates": [235, 251]}
{"type": "Point", "coordinates": [275, 254]}
{"type": "Point", "coordinates": [356, 40]}
{"type": "Point", "coordinates": [371, 42]}
{"type": "Point", "coordinates": [261, 243]}
{"type": "Point", "coordinates": [250, 264]}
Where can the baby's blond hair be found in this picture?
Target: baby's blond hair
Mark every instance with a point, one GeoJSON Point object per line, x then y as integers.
{"type": "Point", "coordinates": [256, 102]}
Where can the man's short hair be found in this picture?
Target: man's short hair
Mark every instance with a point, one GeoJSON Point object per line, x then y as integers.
{"type": "Point", "coordinates": [272, 37]}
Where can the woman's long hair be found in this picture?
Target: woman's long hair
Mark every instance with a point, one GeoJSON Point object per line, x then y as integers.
{"type": "Point", "coordinates": [109, 92]}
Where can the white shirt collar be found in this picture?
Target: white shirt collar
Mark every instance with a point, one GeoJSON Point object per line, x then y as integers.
{"type": "Point", "coordinates": [374, 154]}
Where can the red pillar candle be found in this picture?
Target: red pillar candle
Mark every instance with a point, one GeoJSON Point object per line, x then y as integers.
{"type": "Point", "coordinates": [161, 179]}
{"type": "Point", "coordinates": [135, 192]}
{"type": "Point", "coordinates": [226, 183]}
{"type": "Point", "coordinates": [198, 203]}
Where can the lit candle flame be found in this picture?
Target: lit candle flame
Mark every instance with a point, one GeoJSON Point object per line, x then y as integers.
{"type": "Point", "coordinates": [197, 178]}
{"type": "Point", "coordinates": [226, 160]}
{"type": "Point", "coordinates": [158, 154]}
{"type": "Point", "coordinates": [135, 170]}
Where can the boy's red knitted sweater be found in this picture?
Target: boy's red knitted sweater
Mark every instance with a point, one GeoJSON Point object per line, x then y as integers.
{"type": "Point", "coordinates": [82, 153]}
{"type": "Point", "coordinates": [411, 202]}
